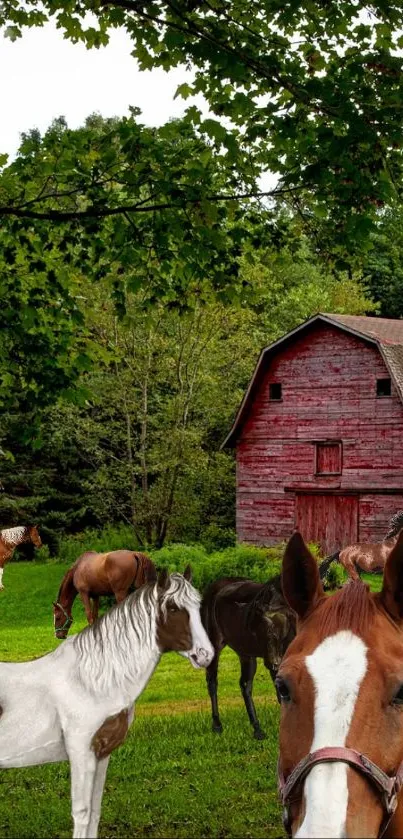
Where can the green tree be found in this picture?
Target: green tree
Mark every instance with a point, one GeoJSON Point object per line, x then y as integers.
{"type": "Point", "coordinates": [145, 446]}
{"type": "Point", "coordinates": [309, 90]}
{"type": "Point", "coordinates": [382, 264]}
{"type": "Point", "coordinates": [176, 252]}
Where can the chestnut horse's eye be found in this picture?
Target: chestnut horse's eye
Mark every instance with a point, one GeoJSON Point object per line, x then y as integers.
{"type": "Point", "coordinates": [282, 690]}
{"type": "Point", "coordinates": [173, 608]}
{"type": "Point", "coordinates": [398, 697]}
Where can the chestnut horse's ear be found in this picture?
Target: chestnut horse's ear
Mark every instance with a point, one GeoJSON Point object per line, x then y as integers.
{"type": "Point", "coordinates": [163, 578]}
{"type": "Point", "coordinates": [392, 590]}
{"type": "Point", "coordinates": [300, 579]}
{"type": "Point", "coordinates": [188, 573]}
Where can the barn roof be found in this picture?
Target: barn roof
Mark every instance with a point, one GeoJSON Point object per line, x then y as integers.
{"type": "Point", "coordinates": [385, 333]}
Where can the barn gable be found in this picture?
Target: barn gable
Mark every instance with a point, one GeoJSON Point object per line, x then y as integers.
{"type": "Point", "coordinates": [384, 333]}
{"type": "Point", "coordinates": [316, 445]}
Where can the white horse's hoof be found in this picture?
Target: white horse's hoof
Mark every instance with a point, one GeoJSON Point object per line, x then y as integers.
{"type": "Point", "coordinates": [1, 586]}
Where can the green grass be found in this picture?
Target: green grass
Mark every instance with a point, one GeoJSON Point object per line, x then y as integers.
{"type": "Point", "coordinates": [173, 777]}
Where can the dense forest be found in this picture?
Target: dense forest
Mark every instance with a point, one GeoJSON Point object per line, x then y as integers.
{"type": "Point", "coordinates": [143, 269]}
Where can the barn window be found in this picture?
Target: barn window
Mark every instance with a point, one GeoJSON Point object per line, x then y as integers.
{"type": "Point", "coordinates": [275, 391]}
{"type": "Point", "coordinates": [328, 459]}
{"type": "Point", "coordinates": [383, 387]}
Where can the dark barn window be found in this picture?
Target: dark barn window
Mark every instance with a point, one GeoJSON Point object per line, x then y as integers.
{"type": "Point", "coordinates": [383, 387]}
{"type": "Point", "coordinates": [275, 391]}
{"type": "Point", "coordinates": [328, 459]}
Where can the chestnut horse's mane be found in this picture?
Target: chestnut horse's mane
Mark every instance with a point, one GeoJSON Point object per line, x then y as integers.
{"type": "Point", "coordinates": [350, 608]}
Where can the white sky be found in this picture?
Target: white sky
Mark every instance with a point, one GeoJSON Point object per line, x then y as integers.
{"type": "Point", "coordinates": [45, 76]}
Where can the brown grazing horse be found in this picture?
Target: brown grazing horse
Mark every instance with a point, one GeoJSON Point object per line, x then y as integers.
{"type": "Point", "coordinates": [340, 686]}
{"type": "Point", "coordinates": [254, 620]}
{"type": "Point", "coordinates": [10, 538]}
{"type": "Point", "coordinates": [94, 575]}
{"type": "Point", "coordinates": [369, 557]}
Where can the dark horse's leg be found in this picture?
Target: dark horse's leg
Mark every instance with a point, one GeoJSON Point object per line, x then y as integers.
{"type": "Point", "coordinates": [248, 670]}
{"type": "Point", "coordinates": [212, 682]}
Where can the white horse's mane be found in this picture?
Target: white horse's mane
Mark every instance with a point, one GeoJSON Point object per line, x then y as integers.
{"type": "Point", "coordinates": [116, 648]}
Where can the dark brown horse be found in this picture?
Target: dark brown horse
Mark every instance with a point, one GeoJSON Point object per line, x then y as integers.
{"type": "Point", "coordinates": [369, 557]}
{"type": "Point", "coordinates": [255, 621]}
{"type": "Point", "coordinates": [10, 538]}
{"type": "Point", "coordinates": [94, 575]}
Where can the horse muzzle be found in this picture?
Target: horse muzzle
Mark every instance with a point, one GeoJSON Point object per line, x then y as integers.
{"type": "Point", "coordinates": [61, 634]}
{"type": "Point", "coordinates": [200, 657]}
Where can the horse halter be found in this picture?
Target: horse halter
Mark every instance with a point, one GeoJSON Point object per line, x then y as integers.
{"type": "Point", "coordinates": [388, 786]}
{"type": "Point", "coordinates": [68, 621]}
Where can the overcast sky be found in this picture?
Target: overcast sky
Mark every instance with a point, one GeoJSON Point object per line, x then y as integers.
{"type": "Point", "coordinates": [44, 76]}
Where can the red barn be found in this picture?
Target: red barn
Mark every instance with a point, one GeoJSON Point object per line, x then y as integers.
{"type": "Point", "coordinates": [319, 434]}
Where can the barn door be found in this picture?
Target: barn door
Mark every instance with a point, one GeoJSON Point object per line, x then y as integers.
{"type": "Point", "coordinates": [330, 520]}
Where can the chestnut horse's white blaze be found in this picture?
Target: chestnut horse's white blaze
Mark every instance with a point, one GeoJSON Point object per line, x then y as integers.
{"type": "Point", "coordinates": [337, 668]}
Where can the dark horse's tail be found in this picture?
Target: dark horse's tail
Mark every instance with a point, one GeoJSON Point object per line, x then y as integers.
{"type": "Point", "coordinates": [325, 565]}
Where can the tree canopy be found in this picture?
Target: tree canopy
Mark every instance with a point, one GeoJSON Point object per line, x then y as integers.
{"type": "Point", "coordinates": [175, 253]}
{"type": "Point", "coordinates": [310, 90]}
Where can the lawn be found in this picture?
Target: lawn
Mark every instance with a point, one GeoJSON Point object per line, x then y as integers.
{"type": "Point", "coordinates": [173, 777]}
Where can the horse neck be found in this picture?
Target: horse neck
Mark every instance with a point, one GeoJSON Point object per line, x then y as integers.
{"type": "Point", "coordinates": [67, 591]}
{"type": "Point", "coordinates": [119, 653]}
{"type": "Point", "coordinates": [14, 536]}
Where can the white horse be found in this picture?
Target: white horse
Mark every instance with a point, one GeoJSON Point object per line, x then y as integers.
{"type": "Point", "coordinates": [77, 703]}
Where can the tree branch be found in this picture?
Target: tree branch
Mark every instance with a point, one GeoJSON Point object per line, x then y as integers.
{"type": "Point", "coordinates": [94, 211]}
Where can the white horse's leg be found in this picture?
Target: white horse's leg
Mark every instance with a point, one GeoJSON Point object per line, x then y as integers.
{"type": "Point", "coordinates": [97, 792]}
{"type": "Point", "coordinates": [1, 578]}
{"type": "Point", "coordinates": [83, 764]}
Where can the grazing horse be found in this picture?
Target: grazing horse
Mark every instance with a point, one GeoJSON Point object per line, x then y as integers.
{"type": "Point", "coordinates": [369, 557]}
{"type": "Point", "coordinates": [254, 620]}
{"type": "Point", "coordinates": [94, 575]}
{"type": "Point", "coordinates": [77, 702]}
{"type": "Point", "coordinates": [340, 686]}
{"type": "Point", "coordinates": [10, 538]}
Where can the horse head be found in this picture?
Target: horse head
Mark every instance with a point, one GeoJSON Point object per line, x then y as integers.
{"type": "Point", "coordinates": [340, 686]}
{"type": "Point", "coordinates": [34, 536]}
{"type": "Point", "coordinates": [179, 626]}
{"type": "Point", "coordinates": [62, 620]}
{"type": "Point", "coordinates": [280, 630]}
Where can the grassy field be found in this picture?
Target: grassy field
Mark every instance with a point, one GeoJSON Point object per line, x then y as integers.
{"type": "Point", "coordinates": [173, 777]}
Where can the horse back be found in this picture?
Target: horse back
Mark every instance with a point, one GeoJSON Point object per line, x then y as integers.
{"type": "Point", "coordinates": [226, 610]}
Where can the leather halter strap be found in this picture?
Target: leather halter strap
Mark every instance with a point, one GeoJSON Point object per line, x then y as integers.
{"type": "Point", "coordinates": [388, 786]}
{"type": "Point", "coordinates": [68, 621]}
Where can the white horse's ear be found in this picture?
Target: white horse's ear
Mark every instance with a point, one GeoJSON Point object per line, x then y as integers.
{"type": "Point", "coordinates": [188, 573]}
{"type": "Point", "coordinates": [163, 578]}
{"type": "Point", "coordinates": [300, 579]}
{"type": "Point", "coordinates": [392, 589]}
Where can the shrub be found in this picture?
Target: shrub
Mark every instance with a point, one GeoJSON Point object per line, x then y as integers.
{"type": "Point", "coordinates": [335, 577]}
{"type": "Point", "coordinates": [216, 538]}
{"type": "Point", "coordinates": [111, 538]}
{"type": "Point", "coordinates": [259, 564]}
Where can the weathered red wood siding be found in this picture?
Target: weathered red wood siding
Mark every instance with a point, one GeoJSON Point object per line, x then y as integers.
{"type": "Point", "coordinates": [328, 382]}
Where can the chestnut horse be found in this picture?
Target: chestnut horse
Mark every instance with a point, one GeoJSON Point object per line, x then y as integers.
{"type": "Point", "coordinates": [94, 575]}
{"type": "Point", "coordinates": [340, 686]}
{"type": "Point", "coordinates": [369, 557]}
{"type": "Point", "coordinates": [254, 620]}
{"type": "Point", "coordinates": [10, 538]}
